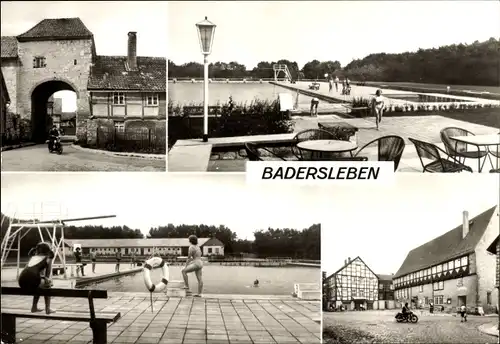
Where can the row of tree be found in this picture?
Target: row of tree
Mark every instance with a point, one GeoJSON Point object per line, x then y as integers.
{"type": "Point", "coordinates": [294, 243]}
{"type": "Point", "coordinates": [474, 64]}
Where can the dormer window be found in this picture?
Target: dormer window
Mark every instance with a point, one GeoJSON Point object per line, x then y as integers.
{"type": "Point", "coordinates": [39, 62]}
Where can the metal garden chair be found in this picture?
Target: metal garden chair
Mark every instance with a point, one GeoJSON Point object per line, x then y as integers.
{"type": "Point", "coordinates": [390, 148]}
{"type": "Point", "coordinates": [426, 150]}
{"type": "Point", "coordinates": [254, 154]}
{"type": "Point", "coordinates": [308, 135]}
{"type": "Point", "coordinates": [459, 150]}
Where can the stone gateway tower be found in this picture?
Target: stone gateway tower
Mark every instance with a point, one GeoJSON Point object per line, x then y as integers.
{"type": "Point", "coordinates": [55, 55]}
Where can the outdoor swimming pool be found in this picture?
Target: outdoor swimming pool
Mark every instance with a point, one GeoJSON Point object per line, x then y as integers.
{"type": "Point", "coordinates": [422, 98]}
{"type": "Point", "coordinates": [183, 93]}
{"type": "Point", "coordinates": [224, 280]}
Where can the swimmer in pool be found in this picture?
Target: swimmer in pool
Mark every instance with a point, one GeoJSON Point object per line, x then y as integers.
{"type": "Point", "coordinates": [36, 274]}
{"type": "Point", "coordinates": [256, 283]}
{"type": "Point", "coordinates": [193, 264]}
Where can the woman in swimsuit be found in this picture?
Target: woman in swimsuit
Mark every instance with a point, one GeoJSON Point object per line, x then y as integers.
{"type": "Point", "coordinates": [378, 107]}
{"type": "Point", "coordinates": [31, 277]}
{"type": "Point", "coordinates": [193, 264]}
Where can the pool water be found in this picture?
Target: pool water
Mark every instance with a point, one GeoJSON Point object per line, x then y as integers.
{"type": "Point", "coordinates": [219, 279]}
{"type": "Point", "coordinates": [421, 98]}
{"type": "Point", "coordinates": [183, 93]}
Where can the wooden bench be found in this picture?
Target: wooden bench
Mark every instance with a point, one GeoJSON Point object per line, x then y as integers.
{"type": "Point", "coordinates": [98, 322]}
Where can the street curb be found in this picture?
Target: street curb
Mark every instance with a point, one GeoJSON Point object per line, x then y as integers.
{"type": "Point", "coordinates": [122, 155]}
{"type": "Point", "coordinates": [490, 329]}
{"type": "Point", "coordinates": [21, 145]}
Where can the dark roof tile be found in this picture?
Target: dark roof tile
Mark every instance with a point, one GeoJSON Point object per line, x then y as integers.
{"type": "Point", "coordinates": [213, 242]}
{"type": "Point", "coordinates": [110, 73]}
{"type": "Point", "coordinates": [447, 246]}
{"type": "Point", "coordinates": [60, 28]}
{"type": "Point", "coordinates": [9, 46]}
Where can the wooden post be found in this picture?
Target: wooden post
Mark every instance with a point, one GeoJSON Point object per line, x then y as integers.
{"type": "Point", "coordinates": [18, 253]}
{"type": "Point", "coordinates": [8, 328]}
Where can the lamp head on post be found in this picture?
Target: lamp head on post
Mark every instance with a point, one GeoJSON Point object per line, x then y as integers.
{"type": "Point", "coordinates": [206, 30]}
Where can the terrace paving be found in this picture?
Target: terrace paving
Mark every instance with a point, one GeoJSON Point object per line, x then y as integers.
{"type": "Point", "coordinates": [213, 319]}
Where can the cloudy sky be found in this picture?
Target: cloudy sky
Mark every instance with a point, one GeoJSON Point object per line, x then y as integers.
{"type": "Point", "coordinates": [109, 21]}
{"type": "Point", "coordinates": [142, 200]}
{"type": "Point", "coordinates": [382, 227]}
{"type": "Point", "coordinates": [253, 31]}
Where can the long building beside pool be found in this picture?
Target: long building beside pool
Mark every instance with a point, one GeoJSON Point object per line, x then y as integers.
{"type": "Point", "coordinates": [164, 246]}
{"type": "Point", "coordinates": [454, 269]}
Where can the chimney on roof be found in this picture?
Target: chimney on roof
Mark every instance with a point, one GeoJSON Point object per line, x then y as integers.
{"type": "Point", "coordinates": [345, 262]}
{"type": "Point", "coordinates": [465, 225]}
{"type": "Point", "coordinates": [132, 51]}
{"type": "Point", "coordinates": [348, 259]}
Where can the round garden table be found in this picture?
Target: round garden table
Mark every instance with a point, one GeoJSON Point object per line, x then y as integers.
{"type": "Point", "coordinates": [319, 147]}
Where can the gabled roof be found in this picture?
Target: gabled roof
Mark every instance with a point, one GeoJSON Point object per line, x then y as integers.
{"type": "Point", "coordinates": [447, 246]}
{"type": "Point", "coordinates": [349, 263]}
{"type": "Point", "coordinates": [213, 242]}
{"type": "Point", "coordinates": [114, 243]}
{"type": "Point", "coordinates": [9, 47]}
{"type": "Point", "coordinates": [110, 73]}
{"type": "Point", "coordinates": [385, 277]}
{"type": "Point", "coordinates": [56, 29]}
{"type": "Point", "coordinates": [493, 247]}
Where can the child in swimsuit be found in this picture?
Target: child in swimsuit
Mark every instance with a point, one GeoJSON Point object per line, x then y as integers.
{"type": "Point", "coordinates": [37, 274]}
{"type": "Point", "coordinates": [193, 264]}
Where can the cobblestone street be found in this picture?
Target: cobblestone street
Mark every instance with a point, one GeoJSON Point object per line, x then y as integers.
{"type": "Point", "coordinates": [37, 158]}
{"type": "Point", "coordinates": [381, 327]}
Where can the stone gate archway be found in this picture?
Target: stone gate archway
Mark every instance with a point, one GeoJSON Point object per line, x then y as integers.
{"type": "Point", "coordinates": [40, 119]}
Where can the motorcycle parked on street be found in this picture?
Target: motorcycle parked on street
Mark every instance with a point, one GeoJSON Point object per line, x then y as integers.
{"type": "Point", "coordinates": [409, 317]}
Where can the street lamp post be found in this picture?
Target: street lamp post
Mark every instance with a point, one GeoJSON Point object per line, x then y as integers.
{"type": "Point", "coordinates": [206, 30]}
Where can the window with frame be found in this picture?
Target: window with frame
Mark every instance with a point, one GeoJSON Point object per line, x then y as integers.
{"type": "Point", "coordinates": [39, 62]}
{"type": "Point", "coordinates": [119, 125]}
{"type": "Point", "coordinates": [438, 300]}
{"type": "Point", "coordinates": [421, 288]}
{"type": "Point", "coordinates": [217, 250]}
{"type": "Point", "coordinates": [438, 285]}
{"type": "Point", "coordinates": [439, 268]}
{"type": "Point", "coordinates": [463, 261]}
{"type": "Point", "coordinates": [152, 99]}
{"type": "Point", "coordinates": [381, 286]}
{"type": "Point", "coordinates": [457, 263]}
{"type": "Point", "coordinates": [433, 270]}
{"type": "Point", "coordinates": [488, 298]}
{"type": "Point", "coordinates": [118, 98]}
{"type": "Point", "coordinates": [209, 250]}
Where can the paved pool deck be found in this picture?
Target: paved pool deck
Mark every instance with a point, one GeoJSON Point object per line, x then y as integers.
{"type": "Point", "coordinates": [212, 319]}
{"type": "Point", "coordinates": [425, 128]}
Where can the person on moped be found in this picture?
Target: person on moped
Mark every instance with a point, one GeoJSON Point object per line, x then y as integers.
{"type": "Point", "coordinates": [53, 135]}
{"type": "Point", "coordinates": [406, 311]}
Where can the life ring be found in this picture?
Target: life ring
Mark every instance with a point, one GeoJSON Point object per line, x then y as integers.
{"type": "Point", "coordinates": [146, 270]}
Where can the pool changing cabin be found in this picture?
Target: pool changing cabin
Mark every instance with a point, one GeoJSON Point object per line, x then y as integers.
{"type": "Point", "coordinates": [145, 247]}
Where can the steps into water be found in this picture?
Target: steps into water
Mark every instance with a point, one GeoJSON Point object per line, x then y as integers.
{"type": "Point", "coordinates": [307, 291]}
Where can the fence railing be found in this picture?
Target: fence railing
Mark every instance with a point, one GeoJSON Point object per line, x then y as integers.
{"type": "Point", "coordinates": [134, 140]}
